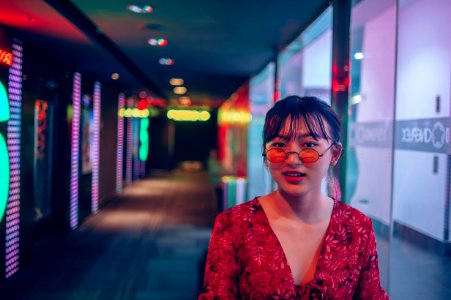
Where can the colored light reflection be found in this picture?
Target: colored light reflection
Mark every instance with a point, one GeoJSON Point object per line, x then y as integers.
{"type": "Point", "coordinates": [188, 115]}
{"type": "Point", "coordinates": [75, 145]}
{"type": "Point", "coordinates": [95, 149]}
{"type": "Point", "coordinates": [4, 156]}
{"type": "Point", "coordinates": [13, 144]}
{"type": "Point", "coordinates": [120, 145]}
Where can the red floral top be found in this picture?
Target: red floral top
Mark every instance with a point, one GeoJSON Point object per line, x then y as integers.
{"type": "Point", "coordinates": [246, 261]}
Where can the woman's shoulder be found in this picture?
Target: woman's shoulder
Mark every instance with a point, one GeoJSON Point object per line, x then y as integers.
{"type": "Point", "coordinates": [346, 212]}
{"type": "Point", "coordinates": [241, 211]}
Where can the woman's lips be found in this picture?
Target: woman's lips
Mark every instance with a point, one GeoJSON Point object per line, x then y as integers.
{"type": "Point", "coordinates": [293, 176]}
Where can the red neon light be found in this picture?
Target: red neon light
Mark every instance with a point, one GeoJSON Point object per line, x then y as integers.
{"type": "Point", "coordinates": [6, 58]}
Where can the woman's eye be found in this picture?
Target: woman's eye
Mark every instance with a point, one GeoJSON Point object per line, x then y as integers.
{"type": "Point", "coordinates": [278, 144]}
{"type": "Point", "coordinates": [310, 144]}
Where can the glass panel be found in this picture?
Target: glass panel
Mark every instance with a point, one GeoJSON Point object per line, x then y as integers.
{"type": "Point", "coordinates": [371, 113]}
{"type": "Point", "coordinates": [261, 93]}
{"type": "Point", "coordinates": [421, 194]}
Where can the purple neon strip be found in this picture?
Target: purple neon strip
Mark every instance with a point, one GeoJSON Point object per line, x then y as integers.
{"type": "Point", "coordinates": [76, 100]}
{"type": "Point", "coordinates": [13, 142]}
{"type": "Point", "coordinates": [95, 149]}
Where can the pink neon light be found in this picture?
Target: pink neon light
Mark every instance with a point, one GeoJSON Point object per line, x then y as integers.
{"type": "Point", "coordinates": [95, 150]}
{"type": "Point", "coordinates": [13, 141]}
{"type": "Point", "coordinates": [76, 101]}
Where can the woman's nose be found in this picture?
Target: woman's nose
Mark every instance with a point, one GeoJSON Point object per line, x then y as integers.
{"type": "Point", "coordinates": [293, 157]}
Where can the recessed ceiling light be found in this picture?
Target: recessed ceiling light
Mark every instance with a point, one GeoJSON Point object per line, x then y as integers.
{"type": "Point", "coordinates": [358, 55]}
{"type": "Point", "coordinates": [176, 81]}
{"type": "Point", "coordinates": [166, 61]}
{"type": "Point", "coordinates": [115, 76]}
{"type": "Point", "coordinates": [140, 9]}
{"type": "Point", "coordinates": [158, 42]}
{"type": "Point", "coordinates": [185, 100]}
{"type": "Point", "coordinates": [179, 90]}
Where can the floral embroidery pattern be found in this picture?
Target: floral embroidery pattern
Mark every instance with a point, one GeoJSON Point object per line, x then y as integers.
{"type": "Point", "coordinates": [246, 261]}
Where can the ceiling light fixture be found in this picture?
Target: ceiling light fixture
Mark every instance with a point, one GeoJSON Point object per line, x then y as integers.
{"type": "Point", "coordinates": [115, 76]}
{"type": "Point", "coordinates": [179, 90]}
{"type": "Point", "coordinates": [358, 55]}
{"type": "Point", "coordinates": [166, 61]}
{"type": "Point", "coordinates": [176, 81]}
{"type": "Point", "coordinates": [140, 9]}
{"type": "Point", "coordinates": [158, 42]}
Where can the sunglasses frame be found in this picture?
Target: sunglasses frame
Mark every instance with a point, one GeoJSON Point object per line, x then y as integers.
{"type": "Point", "coordinates": [298, 154]}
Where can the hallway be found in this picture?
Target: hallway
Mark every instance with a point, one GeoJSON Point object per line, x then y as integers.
{"type": "Point", "coordinates": [149, 243]}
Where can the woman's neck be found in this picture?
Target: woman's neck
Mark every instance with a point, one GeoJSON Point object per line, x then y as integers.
{"type": "Point", "coordinates": [311, 208]}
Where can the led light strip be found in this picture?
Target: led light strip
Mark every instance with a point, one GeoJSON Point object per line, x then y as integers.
{"type": "Point", "coordinates": [120, 144]}
{"type": "Point", "coordinates": [129, 154]}
{"type": "Point", "coordinates": [136, 160]}
{"type": "Point", "coordinates": [95, 149]}
{"type": "Point", "coordinates": [76, 101]}
{"type": "Point", "coordinates": [13, 142]}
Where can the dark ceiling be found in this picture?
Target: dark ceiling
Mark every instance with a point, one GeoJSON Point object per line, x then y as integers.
{"type": "Point", "coordinates": [216, 45]}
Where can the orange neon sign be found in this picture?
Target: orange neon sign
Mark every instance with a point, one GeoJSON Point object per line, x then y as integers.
{"type": "Point", "coordinates": [6, 58]}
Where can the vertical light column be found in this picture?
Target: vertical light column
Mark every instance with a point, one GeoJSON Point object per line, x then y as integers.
{"type": "Point", "coordinates": [129, 154]}
{"type": "Point", "coordinates": [95, 149]}
{"type": "Point", "coordinates": [120, 144]}
{"type": "Point", "coordinates": [13, 142]}
{"type": "Point", "coordinates": [75, 151]}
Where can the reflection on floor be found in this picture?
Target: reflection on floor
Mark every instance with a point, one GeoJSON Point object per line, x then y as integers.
{"type": "Point", "coordinates": [150, 243]}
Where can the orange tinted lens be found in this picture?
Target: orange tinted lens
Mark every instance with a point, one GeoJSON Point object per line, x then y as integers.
{"type": "Point", "coordinates": [276, 155]}
{"type": "Point", "coordinates": [308, 155]}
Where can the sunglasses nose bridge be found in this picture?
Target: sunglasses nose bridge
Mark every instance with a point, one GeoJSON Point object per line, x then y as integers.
{"type": "Point", "coordinates": [298, 156]}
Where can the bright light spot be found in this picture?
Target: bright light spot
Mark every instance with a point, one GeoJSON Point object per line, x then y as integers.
{"type": "Point", "coordinates": [179, 90]}
{"type": "Point", "coordinates": [176, 81]}
{"type": "Point", "coordinates": [115, 76]}
{"type": "Point", "coordinates": [356, 99]}
{"type": "Point", "coordinates": [185, 100]}
{"type": "Point", "coordinates": [166, 61]}
{"type": "Point", "coordinates": [358, 55]}
{"type": "Point", "coordinates": [158, 42]}
{"type": "Point", "coordinates": [188, 115]}
{"type": "Point", "coordinates": [144, 9]}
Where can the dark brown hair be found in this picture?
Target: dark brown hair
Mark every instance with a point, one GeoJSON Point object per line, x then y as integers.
{"type": "Point", "coordinates": [310, 110]}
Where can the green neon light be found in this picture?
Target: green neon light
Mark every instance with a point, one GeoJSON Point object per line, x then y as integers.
{"type": "Point", "coordinates": [4, 104]}
{"type": "Point", "coordinates": [144, 139]}
{"type": "Point", "coordinates": [4, 156]}
{"type": "Point", "coordinates": [4, 176]}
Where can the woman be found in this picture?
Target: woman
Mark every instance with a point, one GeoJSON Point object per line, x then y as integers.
{"type": "Point", "coordinates": [296, 242]}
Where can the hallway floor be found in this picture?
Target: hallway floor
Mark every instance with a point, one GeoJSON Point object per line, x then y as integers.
{"type": "Point", "coordinates": [149, 243]}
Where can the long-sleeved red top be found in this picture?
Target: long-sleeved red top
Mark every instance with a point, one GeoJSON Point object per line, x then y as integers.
{"type": "Point", "coordinates": [246, 261]}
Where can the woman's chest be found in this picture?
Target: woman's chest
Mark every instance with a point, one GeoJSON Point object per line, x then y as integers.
{"type": "Point", "coordinates": [266, 265]}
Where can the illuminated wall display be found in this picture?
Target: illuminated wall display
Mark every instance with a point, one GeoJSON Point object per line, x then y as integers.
{"type": "Point", "coordinates": [6, 58]}
{"type": "Point", "coordinates": [134, 113]}
{"type": "Point", "coordinates": [13, 142]}
{"type": "Point", "coordinates": [120, 144]}
{"type": "Point", "coordinates": [75, 142]}
{"type": "Point", "coordinates": [95, 149]}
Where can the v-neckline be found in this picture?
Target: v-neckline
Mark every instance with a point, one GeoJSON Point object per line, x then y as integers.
{"type": "Point", "coordinates": [284, 256]}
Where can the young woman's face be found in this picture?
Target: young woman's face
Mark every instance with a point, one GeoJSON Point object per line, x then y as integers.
{"type": "Point", "coordinates": [294, 177]}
